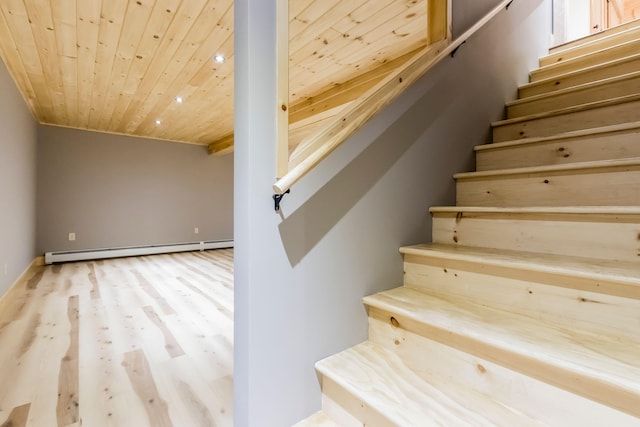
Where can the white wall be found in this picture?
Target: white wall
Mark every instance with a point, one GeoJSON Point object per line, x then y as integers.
{"type": "Point", "coordinates": [300, 275]}
{"type": "Point", "coordinates": [577, 19]}
{"type": "Point", "coordinates": [115, 191]}
{"type": "Point", "coordinates": [17, 183]}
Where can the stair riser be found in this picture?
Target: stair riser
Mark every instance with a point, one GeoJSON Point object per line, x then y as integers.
{"type": "Point", "coordinates": [586, 119]}
{"type": "Point", "coordinates": [458, 369]}
{"type": "Point", "coordinates": [348, 410]}
{"type": "Point", "coordinates": [613, 237]}
{"type": "Point", "coordinates": [604, 43]}
{"type": "Point", "coordinates": [544, 296]}
{"type": "Point", "coordinates": [609, 146]}
{"type": "Point", "coordinates": [613, 69]}
{"type": "Point", "coordinates": [555, 375]}
{"type": "Point", "coordinates": [619, 186]}
{"type": "Point", "coordinates": [627, 49]}
{"type": "Point", "coordinates": [601, 92]}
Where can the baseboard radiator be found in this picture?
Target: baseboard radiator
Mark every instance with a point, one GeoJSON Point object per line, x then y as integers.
{"type": "Point", "coordinates": [83, 255]}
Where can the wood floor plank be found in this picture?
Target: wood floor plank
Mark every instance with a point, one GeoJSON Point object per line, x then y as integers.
{"type": "Point", "coordinates": [68, 380]}
{"type": "Point", "coordinates": [17, 417]}
{"type": "Point", "coordinates": [139, 371]}
{"type": "Point", "coordinates": [90, 343]}
{"type": "Point", "coordinates": [170, 343]}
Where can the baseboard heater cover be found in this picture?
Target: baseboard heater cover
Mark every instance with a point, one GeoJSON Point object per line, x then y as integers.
{"type": "Point", "coordinates": [83, 255]}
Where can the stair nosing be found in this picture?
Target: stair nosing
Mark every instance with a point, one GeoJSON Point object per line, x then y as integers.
{"type": "Point", "coordinates": [577, 166]}
{"type": "Point", "coordinates": [577, 88]}
{"type": "Point", "coordinates": [630, 126]}
{"type": "Point", "coordinates": [568, 110]}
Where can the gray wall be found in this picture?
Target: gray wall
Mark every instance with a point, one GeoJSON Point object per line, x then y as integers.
{"type": "Point", "coordinates": [115, 191]}
{"type": "Point", "coordinates": [17, 182]}
{"type": "Point", "coordinates": [301, 274]}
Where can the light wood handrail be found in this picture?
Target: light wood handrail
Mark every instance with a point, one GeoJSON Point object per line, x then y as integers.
{"type": "Point", "coordinates": [356, 115]}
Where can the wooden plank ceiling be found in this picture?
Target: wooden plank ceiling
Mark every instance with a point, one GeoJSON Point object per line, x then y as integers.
{"type": "Point", "coordinates": [121, 65]}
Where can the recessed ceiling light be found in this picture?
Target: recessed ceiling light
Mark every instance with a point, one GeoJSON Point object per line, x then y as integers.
{"type": "Point", "coordinates": [158, 122]}
{"type": "Point", "coordinates": [219, 58]}
{"type": "Point", "coordinates": [179, 99]}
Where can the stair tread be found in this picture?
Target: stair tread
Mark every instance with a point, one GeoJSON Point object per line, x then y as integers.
{"type": "Point", "coordinates": [319, 419]}
{"type": "Point", "coordinates": [562, 47]}
{"type": "Point", "coordinates": [564, 135]}
{"type": "Point", "coordinates": [568, 110]}
{"type": "Point", "coordinates": [582, 57]}
{"type": "Point", "coordinates": [581, 71]}
{"type": "Point", "coordinates": [552, 210]}
{"type": "Point", "coordinates": [382, 380]}
{"type": "Point", "coordinates": [598, 366]}
{"type": "Point", "coordinates": [596, 164]}
{"type": "Point", "coordinates": [611, 39]}
{"type": "Point", "coordinates": [573, 89]}
{"type": "Point", "coordinates": [618, 271]}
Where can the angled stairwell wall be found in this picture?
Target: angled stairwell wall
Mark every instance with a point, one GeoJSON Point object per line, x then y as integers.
{"type": "Point", "coordinates": [300, 275]}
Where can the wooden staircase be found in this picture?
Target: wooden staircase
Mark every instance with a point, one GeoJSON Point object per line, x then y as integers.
{"type": "Point", "coordinates": [525, 309]}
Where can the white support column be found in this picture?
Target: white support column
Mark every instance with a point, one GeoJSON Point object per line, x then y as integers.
{"type": "Point", "coordinates": [265, 376]}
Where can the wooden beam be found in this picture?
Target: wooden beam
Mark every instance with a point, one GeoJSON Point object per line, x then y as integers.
{"type": "Point", "coordinates": [346, 92]}
{"type": "Point", "coordinates": [438, 23]}
{"type": "Point", "coordinates": [222, 146]}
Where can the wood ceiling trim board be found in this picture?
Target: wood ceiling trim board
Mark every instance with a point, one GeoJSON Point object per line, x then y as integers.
{"type": "Point", "coordinates": [297, 135]}
{"type": "Point", "coordinates": [309, 33]}
{"type": "Point", "coordinates": [378, 27]}
{"type": "Point", "coordinates": [171, 42]}
{"type": "Point", "coordinates": [180, 66]}
{"type": "Point", "coordinates": [87, 30]}
{"type": "Point", "coordinates": [211, 41]}
{"type": "Point", "coordinates": [296, 7]}
{"type": "Point", "coordinates": [210, 121]}
{"type": "Point", "coordinates": [113, 75]}
{"type": "Point", "coordinates": [367, 11]}
{"type": "Point", "coordinates": [17, 21]}
{"type": "Point", "coordinates": [15, 66]}
{"type": "Point", "coordinates": [160, 20]}
{"type": "Point", "coordinates": [158, 24]}
{"type": "Point", "coordinates": [319, 47]}
{"type": "Point", "coordinates": [64, 22]}
{"type": "Point", "coordinates": [134, 24]}
{"type": "Point", "coordinates": [110, 28]}
{"type": "Point", "coordinates": [310, 15]}
{"type": "Point", "coordinates": [324, 71]}
{"type": "Point", "coordinates": [41, 23]}
{"type": "Point", "coordinates": [319, 116]}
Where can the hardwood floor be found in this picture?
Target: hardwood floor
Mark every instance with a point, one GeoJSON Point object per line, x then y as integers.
{"type": "Point", "coordinates": [144, 341]}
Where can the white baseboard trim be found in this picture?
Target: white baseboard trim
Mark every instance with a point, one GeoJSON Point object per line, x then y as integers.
{"type": "Point", "coordinates": [83, 255]}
